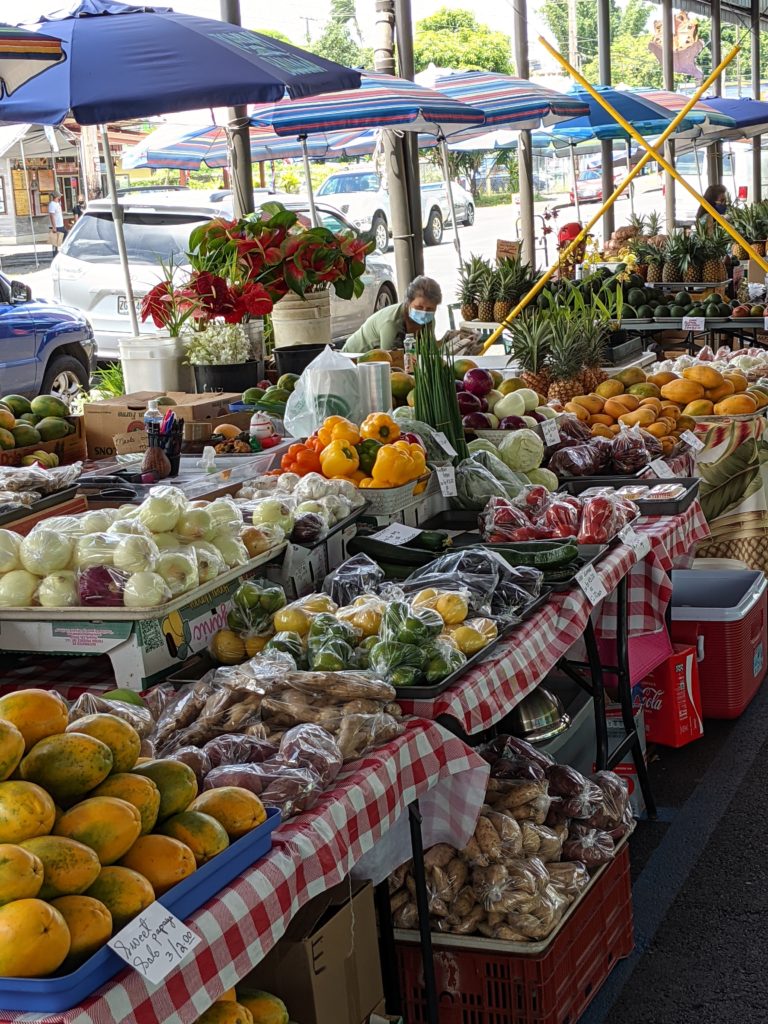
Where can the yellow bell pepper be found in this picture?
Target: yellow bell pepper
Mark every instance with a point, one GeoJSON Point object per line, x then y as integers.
{"type": "Point", "coordinates": [367, 481]}
{"type": "Point", "coordinates": [417, 454]}
{"type": "Point", "coordinates": [337, 428]}
{"type": "Point", "coordinates": [380, 427]}
{"type": "Point", "coordinates": [339, 458]}
{"type": "Point", "coordinates": [393, 466]}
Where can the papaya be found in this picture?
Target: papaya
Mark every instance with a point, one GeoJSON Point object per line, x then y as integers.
{"type": "Point", "coordinates": [224, 1011]}
{"type": "Point", "coordinates": [651, 403]}
{"type": "Point", "coordinates": [670, 409]}
{"type": "Point", "coordinates": [34, 939]}
{"type": "Point", "coordinates": [121, 738]}
{"type": "Point", "coordinates": [700, 407]}
{"type": "Point", "coordinates": [176, 781]}
{"type": "Point", "coordinates": [761, 397]}
{"type": "Point", "coordinates": [162, 860]}
{"type": "Point", "coordinates": [638, 418]}
{"type": "Point", "coordinates": [18, 404]}
{"type": "Point", "coordinates": [685, 423]}
{"type": "Point", "coordinates": [707, 376]}
{"type": "Point", "coordinates": [645, 390]}
{"type": "Point", "coordinates": [49, 405]}
{"type": "Point", "coordinates": [265, 1008]}
{"type": "Point", "coordinates": [402, 384]}
{"type": "Point", "coordinates": [26, 811]}
{"type": "Point", "coordinates": [237, 809]}
{"type": "Point", "coordinates": [24, 435]}
{"type": "Point", "coordinates": [682, 391]}
{"type": "Point", "coordinates": [577, 410]}
{"type": "Point", "coordinates": [141, 792]}
{"type": "Point", "coordinates": [68, 765]}
{"type": "Point", "coordinates": [11, 749]}
{"type": "Point", "coordinates": [202, 833]}
{"type": "Point", "coordinates": [721, 392]}
{"type": "Point", "coordinates": [736, 405]}
{"type": "Point", "coordinates": [620, 405]}
{"type": "Point", "coordinates": [123, 892]}
{"type": "Point", "coordinates": [609, 388]}
{"type": "Point", "coordinates": [7, 419]}
{"type": "Point", "coordinates": [35, 713]}
{"type": "Point", "coordinates": [52, 428]}
{"type": "Point", "coordinates": [738, 380]}
{"type": "Point", "coordinates": [592, 403]}
{"type": "Point", "coordinates": [606, 421]}
{"type": "Point", "coordinates": [374, 355]}
{"type": "Point", "coordinates": [662, 378]}
{"type": "Point", "coordinates": [7, 440]}
{"type": "Point", "coordinates": [601, 430]}
{"type": "Point", "coordinates": [632, 375]}
{"type": "Point", "coordinates": [108, 825]}
{"type": "Point", "coordinates": [89, 923]}
{"type": "Point", "coordinates": [21, 873]}
{"type": "Point", "coordinates": [658, 429]}
{"type": "Point", "coordinates": [69, 867]}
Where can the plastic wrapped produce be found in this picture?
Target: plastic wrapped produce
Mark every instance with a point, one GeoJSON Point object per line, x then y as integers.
{"type": "Point", "coordinates": [513, 482]}
{"type": "Point", "coordinates": [629, 452]}
{"type": "Point", "coordinates": [401, 664]}
{"type": "Point", "coordinates": [599, 520]}
{"type": "Point", "coordinates": [569, 878]}
{"type": "Point", "coordinates": [405, 624]}
{"type": "Point", "coordinates": [231, 748]}
{"type": "Point", "coordinates": [611, 810]}
{"type": "Point", "coordinates": [442, 659]}
{"type": "Point", "coordinates": [579, 460]}
{"type": "Point", "coordinates": [501, 520]}
{"type": "Point", "coordinates": [571, 428]}
{"type": "Point", "coordinates": [95, 549]}
{"type": "Point", "coordinates": [311, 746]}
{"type": "Point", "coordinates": [291, 790]}
{"type": "Point", "coordinates": [357, 576]}
{"type": "Point", "coordinates": [589, 845]}
{"type": "Point", "coordinates": [91, 704]}
{"type": "Point", "coordinates": [101, 586]}
{"type": "Point", "coordinates": [254, 604]}
{"type": "Point", "coordinates": [195, 759]}
{"type": "Point", "coordinates": [476, 485]}
{"type": "Point", "coordinates": [364, 614]}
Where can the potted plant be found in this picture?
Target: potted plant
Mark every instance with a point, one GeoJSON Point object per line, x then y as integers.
{"type": "Point", "coordinates": [157, 362]}
{"type": "Point", "coordinates": [221, 357]}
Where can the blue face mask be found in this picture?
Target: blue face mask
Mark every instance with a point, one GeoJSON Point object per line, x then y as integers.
{"type": "Point", "coordinates": [720, 207]}
{"type": "Point", "coordinates": [420, 316]}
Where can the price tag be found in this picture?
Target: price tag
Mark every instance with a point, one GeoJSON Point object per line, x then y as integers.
{"type": "Point", "coordinates": [638, 542]}
{"type": "Point", "coordinates": [691, 440]}
{"type": "Point", "coordinates": [298, 566]}
{"type": "Point", "coordinates": [445, 444]}
{"type": "Point", "coordinates": [591, 584]}
{"type": "Point", "coordinates": [446, 476]}
{"type": "Point", "coordinates": [396, 533]}
{"type": "Point", "coordinates": [693, 323]}
{"type": "Point", "coordinates": [155, 943]}
{"type": "Point", "coordinates": [550, 432]}
{"type": "Point", "coordinates": [660, 468]}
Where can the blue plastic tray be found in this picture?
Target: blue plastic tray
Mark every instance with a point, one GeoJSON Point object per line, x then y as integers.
{"type": "Point", "coordinates": [62, 992]}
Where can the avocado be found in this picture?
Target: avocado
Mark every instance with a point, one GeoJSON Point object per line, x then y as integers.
{"type": "Point", "coordinates": [645, 311]}
{"type": "Point", "coordinates": [628, 312]}
{"type": "Point", "coordinates": [696, 311]}
{"type": "Point", "coordinates": [724, 308]}
{"type": "Point", "coordinates": [677, 310]}
{"type": "Point", "coordinates": [682, 299]}
{"type": "Point", "coordinates": [253, 395]}
{"type": "Point", "coordinates": [661, 311]}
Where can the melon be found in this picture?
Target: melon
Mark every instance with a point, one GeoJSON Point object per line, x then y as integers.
{"type": "Point", "coordinates": [202, 833]}
{"type": "Point", "coordinates": [123, 892]}
{"type": "Point", "coordinates": [141, 792]}
{"type": "Point", "coordinates": [67, 766]}
{"type": "Point", "coordinates": [35, 713]}
{"type": "Point", "coordinates": [162, 860]}
{"type": "Point", "coordinates": [34, 939]}
{"type": "Point", "coordinates": [26, 811]}
{"type": "Point", "coordinates": [89, 923]}
{"type": "Point", "coordinates": [108, 825]}
{"type": "Point", "coordinates": [121, 738]}
{"type": "Point", "coordinates": [69, 867]}
{"type": "Point", "coordinates": [21, 873]}
{"type": "Point", "coordinates": [176, 781]}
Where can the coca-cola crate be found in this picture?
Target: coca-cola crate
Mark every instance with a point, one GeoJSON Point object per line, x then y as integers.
{"type": "Point", "coordinates": [672, 702]}
{"type": "Point", "coordinates": [484, 984]}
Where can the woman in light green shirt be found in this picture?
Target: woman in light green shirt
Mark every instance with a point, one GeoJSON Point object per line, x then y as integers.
{"type": "Point", "coordinates": [386, 329]}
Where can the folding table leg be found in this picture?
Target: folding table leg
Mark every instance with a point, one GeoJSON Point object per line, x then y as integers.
{"type": "Point", "coordinates": [598, 696]}
{"type": "Point", "coordinates": [387, 953]}
{"type": "Point", "coordinates": [422, 904]}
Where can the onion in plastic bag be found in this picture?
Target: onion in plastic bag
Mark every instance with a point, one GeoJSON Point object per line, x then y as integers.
{"type": "Point", "coordinates": [44, 551]}
{"type": "Point", "coordinates": [161, 510]}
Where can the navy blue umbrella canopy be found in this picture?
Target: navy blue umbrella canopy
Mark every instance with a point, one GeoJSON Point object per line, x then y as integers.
{"type": "Point", "coordinates": [128, 60]}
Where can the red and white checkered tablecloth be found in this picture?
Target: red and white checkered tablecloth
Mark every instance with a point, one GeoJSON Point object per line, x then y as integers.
{"type": "Point", "coordinates": [493, 687]}
{"type": "Point", "coordinates": [311, 853]}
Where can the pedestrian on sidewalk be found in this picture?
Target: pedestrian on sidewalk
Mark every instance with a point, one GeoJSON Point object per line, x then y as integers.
{"type": "Point", "coordinates": [56, 232]}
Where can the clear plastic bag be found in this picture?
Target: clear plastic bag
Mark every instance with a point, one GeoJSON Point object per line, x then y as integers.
{"type": "Point", "coordinates": [195, 759]}
{"type": "Point", "coordinates": [442, 659]}
{"type": "Point", "coordinates": [95, 549]}
{"type": "Point", "coordinates": [476, 485]}
{"type": "Point", "coordinates": [101, 586]}
{"type": "Point", "coordinates": [476, 570]}
{"type": "Point", "coordinates": [399, 663]}
{"type": "Point", "coordinates": [311, 746]}
{"type": "Point", "coordinates": [612, 809]}
{"type": "Point", "coordinates": [328, 386]}
{"type": "Point", "coordinates": [161, 509]}
{"type": "Point", "coordinates": [591, 846]}
{"type": "Point", "coordinates": [578, 460]}
{"type": "Point", "coordinates": [254, 604]}
{"type": "Point", "coordinates": [501, 520]}
{"type": "Point", "coordinates": [232, 748]}
{"type": "Point", "coordinates": [405, 624]}
{"type": "Point", "coordinates": [568, 878]}
{"type": "Point", "coordinates": [513, 482]}
{"type": "Point", "coordinates": [311, 487]}
{"type": "Point", "coordinates": [91, 704]}
{"type": "Point", "coordinates": [357, 576]}
{"type": "Point", "coordinates": [178, 569]}
{"type": "Point", "coordinates": [291, 790]}
{"type": "Point", "coordinates": [629, 452]}
{"type": "Point", "coordinates": [600, 519]}
{"type": "Point", "coordinates": [364, 614]}
{"type": "Point", "coordinates": [45, 481]}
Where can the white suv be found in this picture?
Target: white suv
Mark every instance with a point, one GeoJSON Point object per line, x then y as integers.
{"type": "Point", "coordinates": [86, 272]}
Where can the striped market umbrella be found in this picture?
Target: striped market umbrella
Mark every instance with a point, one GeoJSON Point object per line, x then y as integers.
{"type": "Point", "coordinates": [707, 117]}
{"type": "Point", "coordinates": [23, 56]}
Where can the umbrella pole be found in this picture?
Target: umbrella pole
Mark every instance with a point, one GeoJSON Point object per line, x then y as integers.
{"type": "Point", "coordinates": [308, 179]}
{"type": "Point", "coordinates": [117, 217]}
{"type": "Point", "coordinates": [575, 180]}
{"type": "Point", "coordinates": [632, 184]}
{"type": "Point", "coordinates": [698, 165]}
{"type": "Point", "coordinates": [449, 190]}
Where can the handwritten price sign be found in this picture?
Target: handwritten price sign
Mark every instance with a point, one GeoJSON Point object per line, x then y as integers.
{"type": "Point", "coordinates": [155, 943]}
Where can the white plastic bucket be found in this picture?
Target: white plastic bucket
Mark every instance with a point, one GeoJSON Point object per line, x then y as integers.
{"type": "Point", "coordinates": [155, 363]}
{"type": "Point", "coordinates": [307, 321]}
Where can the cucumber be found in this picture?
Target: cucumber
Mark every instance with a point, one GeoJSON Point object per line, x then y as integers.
{"type": "Point", "coordinates": [390, 553]}
{"type": "Point", "coordinates": [539, 553]}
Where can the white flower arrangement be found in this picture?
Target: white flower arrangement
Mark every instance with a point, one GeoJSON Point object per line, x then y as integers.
{"type": "Point", "coordinates": [218, 345]}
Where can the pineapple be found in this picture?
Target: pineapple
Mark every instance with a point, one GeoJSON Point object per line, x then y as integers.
{"type": "Point", "coordinates": [594, 354]}
{"type": "Point", "coordinates": [531, 335]}
{"type": "Point", "coordinates": [505, 291]}
{"type": "Point", "coordinates": [655, 260]}
{"type": "Point", "coordinates": [675, 251]}
{"type": "Point", "coordinates": [469, 282]}
{"type": "Point", "coordinates": [566, 361]}
{"type": "Point", "coordinates": [740, 220]}
{"type": "Point", "coordinates": [653, 224]}
{"type": "Point", "coordinates": [638, 224]}
{"type": "Point", "coordinates": [690, 261]}
{"type": "Point", "coordinates": [716, 249]}
{"type": "Point", "coordinates": [486, 294]}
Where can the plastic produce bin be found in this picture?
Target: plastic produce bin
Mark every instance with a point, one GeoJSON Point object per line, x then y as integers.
{"type": "Point", "coordinates": [729, 611]}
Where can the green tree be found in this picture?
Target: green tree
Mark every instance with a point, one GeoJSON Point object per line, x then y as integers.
{"type": "Point", "coordinates": [555, 13]}
{"type": "Point", "coordinates": [634, 18]}
{"type": "Point", "coordinates": [456, 39]}
{"type": "Point", "coordinates": [340, 38]}
{"type": "Point", "coordinates": [274, 34]}
{"type": "Point", "coordinates": [632, 63]}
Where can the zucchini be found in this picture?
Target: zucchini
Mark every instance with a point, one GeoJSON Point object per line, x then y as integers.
{"type": "Point", "coordinates": [379, 550]}
{"type": "Point", "coordinates": [430, 540]}
{"type": "Point", "coordinates": [539, 554]}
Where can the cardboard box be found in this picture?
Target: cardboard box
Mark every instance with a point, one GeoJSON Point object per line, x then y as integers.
{"type": "Point", "coordinates": [69, 449]}
{"type": "Point", "coordinates": [124, 414]}
{"type": "Point", "coordinates": [326, 967]}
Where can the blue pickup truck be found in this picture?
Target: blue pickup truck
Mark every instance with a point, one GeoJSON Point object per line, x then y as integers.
{"type": "Point", "coordinates": [45, 348]}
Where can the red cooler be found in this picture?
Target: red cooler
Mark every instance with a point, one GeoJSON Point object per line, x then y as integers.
{"type": "Point", "coordinates": [672, 701]}
{"type": "Point", "coordinates": [727, 610]}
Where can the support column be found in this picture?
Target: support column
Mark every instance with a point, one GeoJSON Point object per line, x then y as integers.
{"type": "Point", "coordinates": [606, 147]}
{"type": "Point", "coordinates": [525, 147]}
{"type": "Point", "coordinates": [757, 173]}
{"type": "Point", "coordinates": [715, 153]}
{"type": "Point", "coordinates": [668, 67]}
{"type": "Point", "coordinates": [404, 34]}
{"type": "Point", "coordinates": [240, 135]}
{"type": "Point", "coordinates": [394, 154]}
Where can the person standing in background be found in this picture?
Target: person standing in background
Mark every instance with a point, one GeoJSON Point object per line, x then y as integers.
{"type": "Point", "coordinates": [56, 219]}
{"type": "Point", "coordinates": [78, 208]}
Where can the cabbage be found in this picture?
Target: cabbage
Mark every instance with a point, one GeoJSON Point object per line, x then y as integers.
{"type": "Point", "coordinates": [45, 551]}
{"type": "Point", "coordinates": [522, 451]}
{"type": "Point", "coordinates": [135, 554]}
{"type": "Point", "coordinates": [545, 477]}
{"type": "Point", "coordinates": [9, 550]}
{"type": "Point", "coordinates": [145, 590]}
{"type": "Point", "coordinates": [513, 483]}
{"type": "Point", "coordinates": [59, 590]}
{"type": "Point", "coordinates": [481, 445]}
{"type": "Point", "coordinates": [17, 589]}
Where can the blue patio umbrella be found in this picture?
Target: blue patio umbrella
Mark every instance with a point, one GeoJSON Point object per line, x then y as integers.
{"type": "Point", "coordinates": [750, 117]}
{"type": "Point", "coordinates": [24, 55]}
{"type": "Point", "coordinates": [128, 61]}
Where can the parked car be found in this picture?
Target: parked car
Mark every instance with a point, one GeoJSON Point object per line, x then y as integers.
{"type": "Point", "coordinates": [44, 348]}
{"type": "Point", "coordinates": [86, 272]}
{"type": "Point", "coordinates": [362, 196]}
{"type": "Point", "coordinates": [590, 185]}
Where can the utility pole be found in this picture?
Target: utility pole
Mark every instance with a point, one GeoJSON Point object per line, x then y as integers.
{"type": "Point", "coordinates": [90, 165]}
{"type": "Point", "coordinates": [606, 146]}
{"type": "Point", "coordinates": [757, 171]}
{"type": "Point", "coordinates": [404, 34]}
{"type": "Point", "coordinates": [668, 68]}
{"type": "Point", "coordinates": [573, 34]}
{"type": "Point", "coordinates": [394, 154]}
{"type": "Point", "coordinates": [239, 134]}
{"type": "Point", "coordinates": [525, 147]}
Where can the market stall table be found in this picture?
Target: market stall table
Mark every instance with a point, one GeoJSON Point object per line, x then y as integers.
{"type": "Point", "coordinates": [312, 852]}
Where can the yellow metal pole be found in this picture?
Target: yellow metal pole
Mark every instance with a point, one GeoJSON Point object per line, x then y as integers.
{"type": "Point", "coordinates": [646, 158]}
{"type": "Point", "coordinates": [657, 156]}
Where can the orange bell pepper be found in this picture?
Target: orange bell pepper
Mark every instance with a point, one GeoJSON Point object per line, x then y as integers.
{"type": "Point", "coordinates": [314, 444]}
{"type": "Point", "coordinates": [379, 427]}
{"type": "Point", "coordinates": [337, 428]}
{"type": "Point", "coordinates": [301, 459]}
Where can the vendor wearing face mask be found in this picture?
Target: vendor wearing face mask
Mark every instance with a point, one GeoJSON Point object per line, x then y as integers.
{"type": "Point", "coordinates": [387, 328]}
{"type": "Point", "coordinates": [717, 196]}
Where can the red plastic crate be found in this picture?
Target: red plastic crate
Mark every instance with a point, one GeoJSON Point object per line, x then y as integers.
{"type": "Point", "coordinates": [485, 986]}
